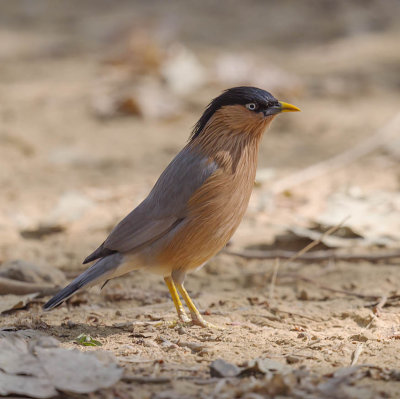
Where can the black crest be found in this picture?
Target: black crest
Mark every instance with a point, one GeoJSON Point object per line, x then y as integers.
{"type": "Point", "coordinates": [237, 95]}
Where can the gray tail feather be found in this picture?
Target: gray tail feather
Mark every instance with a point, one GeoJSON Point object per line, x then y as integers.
{"type": "Point", "coordinates": [102, 270]}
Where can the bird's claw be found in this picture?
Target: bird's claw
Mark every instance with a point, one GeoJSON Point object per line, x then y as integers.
{"type": "Point", "coordinates": [205, 324]}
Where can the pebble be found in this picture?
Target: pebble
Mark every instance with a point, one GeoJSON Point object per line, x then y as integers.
{"type": "Point", "coordinates": [292, 359]}
{"type": "Point", "coordinates": [222, 369]}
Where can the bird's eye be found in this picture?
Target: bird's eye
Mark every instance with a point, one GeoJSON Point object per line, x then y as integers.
{"type": "Point", "coordinates": [251, 106]}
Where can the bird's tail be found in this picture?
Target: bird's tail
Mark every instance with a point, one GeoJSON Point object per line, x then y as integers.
{"type": "Point", "coordinates": [101, 271]}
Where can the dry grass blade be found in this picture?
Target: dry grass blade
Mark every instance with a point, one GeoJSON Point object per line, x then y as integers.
{"type": "Point", "coordinates": [356, 354]}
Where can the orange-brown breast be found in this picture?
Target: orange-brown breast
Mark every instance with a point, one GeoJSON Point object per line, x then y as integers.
{"type": "Point", "coordinates": [215, 210]}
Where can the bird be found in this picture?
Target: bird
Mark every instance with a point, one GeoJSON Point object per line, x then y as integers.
{"type": "Point", "coordinates": [196, 204]}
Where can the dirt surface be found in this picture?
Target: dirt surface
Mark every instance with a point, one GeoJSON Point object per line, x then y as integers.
{"type": "Point", "coordinates": [66, 169]}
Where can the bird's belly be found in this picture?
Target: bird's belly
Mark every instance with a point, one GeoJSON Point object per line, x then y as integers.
{"type": "Point", "coordinates": [192, 246]}
{"type": "Point", "coordinates": [210, 224]}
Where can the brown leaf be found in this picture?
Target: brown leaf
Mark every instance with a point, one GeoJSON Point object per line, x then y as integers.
{"type": "Point", "coordinates": [11, 302]}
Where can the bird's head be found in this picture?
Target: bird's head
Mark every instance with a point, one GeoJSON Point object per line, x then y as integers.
{"type": "Point", "coordinates": [241, 109]}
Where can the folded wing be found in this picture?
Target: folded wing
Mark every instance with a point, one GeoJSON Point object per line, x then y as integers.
{"type": "Point", "coordinates": [163, 209]}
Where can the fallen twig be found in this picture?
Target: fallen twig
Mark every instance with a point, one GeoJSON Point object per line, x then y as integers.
{"type": "Point", "coordinates": [307, 248]}
{"type": "Point", "coordinates": [336, 290]}
{"type": "Point", "coordinates": [370, 297]}
{"type": "Point", "coordinates": [315, 256]}
{"type": "Point", "coordinates": [314, 243]}
{"type": "Point", "coordinates": [390, 300]}
{"type": "Point", "coordinates": [9, 286]}
{"type": "Point", "coordinates": [164, 380]}
{"type": "Point", "coordinates": [146, 380]}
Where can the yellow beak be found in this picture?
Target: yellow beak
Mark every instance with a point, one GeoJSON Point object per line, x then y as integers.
{"type": "Point", "coordinates": [286, 107]}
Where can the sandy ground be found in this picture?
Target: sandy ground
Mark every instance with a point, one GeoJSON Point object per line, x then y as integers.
{"type": "Point", "coordinates": [53, 148]}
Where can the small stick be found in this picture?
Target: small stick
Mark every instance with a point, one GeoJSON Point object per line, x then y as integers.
{"type": "Point", "coordinates": [164, 380]}
{"type": "Point", "coordinates": [324, 287]}
{"type": "Point", "coordinates": [314, 243]}
{"type": "Point", "coordinates": [314, 256]}
{"type": "Point", "coordinates": [390, 300]}
{"type": "Point", "coordinates": [146, 380]}
{"type": "Point", "coordinates": [383, 302]}
{"type": "Point", "coordinates": [302, 252]}
{"type": "Point", "coordinates": [9, 286]}
{"type": "Point", "coordinates": [308, 248]}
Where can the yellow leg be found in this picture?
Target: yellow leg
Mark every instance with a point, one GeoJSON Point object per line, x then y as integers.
{"type": "Point", "coordinates": [197, 318]}
{"type": "Point", "coordinates": [177, 302]}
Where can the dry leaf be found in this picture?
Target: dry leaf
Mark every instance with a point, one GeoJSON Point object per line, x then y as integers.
{"type": "Point", "coordinates": [38, 368]}
{"type": "Point", "coordinates": [263, 366]}
{"type": "Point", "coordinates": [11, 302]}
{"type": "Point", "coordinates": [31, 272]}
{"type": "Point", "coordinates": [374, 217]}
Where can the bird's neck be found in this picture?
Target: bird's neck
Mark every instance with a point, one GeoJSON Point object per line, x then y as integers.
{"type": "Point", "coordinates": [230, 148]}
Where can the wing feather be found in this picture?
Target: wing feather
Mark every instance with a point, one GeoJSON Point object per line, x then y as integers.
{"type": "Point", "coordinates": [163, 209]}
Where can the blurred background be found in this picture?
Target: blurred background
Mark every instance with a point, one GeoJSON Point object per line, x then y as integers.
{"type": "Point", "coordinates": [97, 97]}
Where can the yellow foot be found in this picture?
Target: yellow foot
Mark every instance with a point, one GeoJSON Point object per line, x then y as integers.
{"type": "Point", "coordinates": [197, 318]}
{"type": "Point", "coordinates": [183, 318]}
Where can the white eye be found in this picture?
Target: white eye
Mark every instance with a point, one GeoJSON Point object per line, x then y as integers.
{"type": "Point", "coordinates": [251, 106]}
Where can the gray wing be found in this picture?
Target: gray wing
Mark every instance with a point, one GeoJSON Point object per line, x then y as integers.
{"type": "Point", "coordinates": [163, 209]}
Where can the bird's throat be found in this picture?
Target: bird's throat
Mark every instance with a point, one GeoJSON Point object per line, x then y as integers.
{"type": "Point", "coordinates": [230, 149]}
